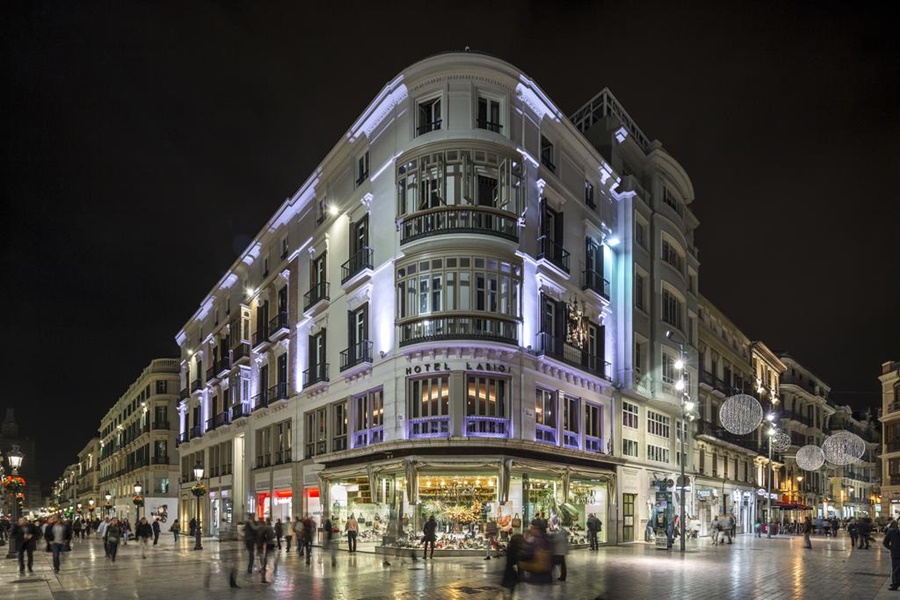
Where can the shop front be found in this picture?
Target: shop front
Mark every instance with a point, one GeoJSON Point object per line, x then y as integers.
{"type": "Point", "coordinates": [392, 500]}
{"type": "Point", "coordinates": [273, 496]}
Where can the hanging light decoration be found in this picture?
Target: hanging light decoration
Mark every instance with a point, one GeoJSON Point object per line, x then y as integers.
{"type": "Point", "coordinates": [843, 448]}
{"type": "Point", "coordinates": [810, 458]}
{"type": "Point", "coordinates": [780, 441]}
{"type": "Point", "coordinates": [740, 414]}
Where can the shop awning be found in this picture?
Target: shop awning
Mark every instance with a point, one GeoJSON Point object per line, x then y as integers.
{"type": "Point", "coordinates": [791, 506]}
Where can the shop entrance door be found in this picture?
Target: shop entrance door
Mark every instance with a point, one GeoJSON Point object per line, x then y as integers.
{"type": "Point", "coordinates": [628, 514]}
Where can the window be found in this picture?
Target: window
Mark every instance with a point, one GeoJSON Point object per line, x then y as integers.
{"type": "Point", "coordinates": [571, 422]}
{"type": "Point", "coordinates": [593, 268]}
{"type": "Point", "coordinates": [669, 373]}
{"type": "Point", "coordinates": [318, 284]}
{"type": "Point", "coordinates": [589, 194]}
{"type": "Point", "coordinates": [429, 407]}
{"type": "Point", "coordinates": [318, 368]}
{"type": "Point", "coordinates": [162, 386]}
{"type": "Point", "coordinates": [629, 415]}
{"type": "Point", "coordinates": [369, 426]}
{"type": "Point", "coordinates": [639, 234]}
{"type": "Point", "coordinates": [429, 116]}
{"type": "Point", "coordinates": [657, 454]}
{"type": "Point", "coordinates": [593, 441]}
{"type": "Point", "coordinates": [671, 309]}
{"type": "Point", "coordinates": [672, 256]}
{"type": "Point", "coordinates": [679, 431]}
{"type": "Point", "coordinates": [341, 426]}
{"type": "Point", "coordinates": [639, 292]}
{"type": "Point", "coordinates": [629, 447]}
{"type": "Point", "coordinates": [359, 349]}
{"type": "Point", "coordinates": [670, 199]}
{"type": "Point", "coordinates": [639, 352]}
{"type": "Point", "coordinates": [362, 168]}
{"type": "Point", "coordinates": [545, 416]}
{"type": "Point", "coordinates": [486, 414]}
{"type": "Point", "coordinates": [657, 424]}
{"type": "Point", "coordinates": [489, 115]}
{"type": "Point", "coordinates": [321, 210]}
{"type": "Point", "coordinates": [316, 432]}
{"type": "Point", "coordinates": [284, 254]}
{"type": "Point", "coordinates": [547, 154]}
{"type": "Point", "coordinates": [551, 240]}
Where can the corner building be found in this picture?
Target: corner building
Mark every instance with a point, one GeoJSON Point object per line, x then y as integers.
{"type": "Point", "coordinates": [432, 323]}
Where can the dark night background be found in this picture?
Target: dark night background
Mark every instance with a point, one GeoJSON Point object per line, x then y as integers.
{"type": "Point", "coordinates": [145, 144]}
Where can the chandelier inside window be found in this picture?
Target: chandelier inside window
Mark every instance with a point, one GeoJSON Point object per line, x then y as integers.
{"type": "Point", "coordinates": [576, 324]}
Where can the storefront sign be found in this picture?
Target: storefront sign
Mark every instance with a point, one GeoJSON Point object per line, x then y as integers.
{"type": "Point", "coordinates": [469, 366]}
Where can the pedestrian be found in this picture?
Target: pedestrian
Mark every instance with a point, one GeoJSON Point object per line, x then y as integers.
{"type": "Point", "coordinates": [807, 529]}
{"type": "Point", "coordinates": [757, 528]}
{"type": "Point", "coordinates": [175, 528]}
{"type": "Point", "coordinates": [101, 531]}
{"type": "Point", "coordinates": [352, 529]}
{"type": "Point", "coordinates": [126, 531]}
{"type": "Point", "coordinates": [192, 525]}
{"type": "Point", "coordinates": [490, 538]}
{"type": "Point", "coordinates": [298, 533]}
{"type": "Point", "coordinates": [266, 541]}
{"type": "Point", "coordinates": [155, 527]}
{"type": "Point", "coordinates": [24, 538]}
{"type": "Point", "coordinates": [536, 562]}
{"type": "Point", "coordinates": [309, 532]}
{"type": "Point", "coordinates": [59, 536]}
{"type": "Point", "coordinates": [331, 532]}
{"type": "Point", "coordinates": [429, 537]}
{"type": "Point", "coordinates": [250, 535]}
{"type": "Point", "coordinates": [143, 532]}
{"type": "Point", "coordinates": [864, 526]}
{"type": "Point", "coordinates": [594, 526]}
{"type": "Point", "coordinates": [112, 535]}
{"type": "Point", "coordinates": [892, 542]}
{"type": "Point", "coordinates": [560, 540]}
{"type": "Point", "coordinates": [514, 552]}
{"type": "Point", "coordinates": [834, 527]}
{"type": "Point", "coordinates": [279, 532]}
{"type": "Point", "coordinates": [853, 531]}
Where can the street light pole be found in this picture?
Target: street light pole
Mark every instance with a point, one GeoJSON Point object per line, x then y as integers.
{"type": "Point", "coordinates": [198, 473]}
{"type": "Point", "coordinates": [108, 497]}
{"type": "Point", "coordinates": [686, 405]}
{"type": "Point", "coordinates": [770, 417]}
{"type": "Point", "coordinates": [138, 488]}
{"type": "Point", "coordinates": [15, 458]}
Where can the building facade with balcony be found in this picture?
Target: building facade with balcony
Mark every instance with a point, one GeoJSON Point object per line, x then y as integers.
{"type": "Point", "coordinates": [430, 323]}
{"type": "Point", "coordinates": [137, 445]}
{"type": "Point", "coordinates": [890, 452]}
{"type": "Point", "coordinates": [857, 487]}
{"type": "Point", "coordinates": [88, 474]}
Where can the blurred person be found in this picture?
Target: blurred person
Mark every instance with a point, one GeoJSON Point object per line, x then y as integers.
{"type": "Point", "coordinates": [144, 533]}
{"type": "Point", "coordinates": [24, 537]}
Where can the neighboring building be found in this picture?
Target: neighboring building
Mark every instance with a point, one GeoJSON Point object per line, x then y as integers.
{"type": "Point", "coordinates": [137, 442]}
{"type": "Point", "coordinates": [890, 455]}
{"type": "Point", "coordinates": [855, 487]}
{"type": "Point", "coordinates": [65, 489]}
{"type": "Point", "coordinates": [89, 478]}
{"type": "Point", "coordinates": [11, 436]}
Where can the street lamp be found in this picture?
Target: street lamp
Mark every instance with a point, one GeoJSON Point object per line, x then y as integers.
{"type": "Point", "coordinates": [108, 497]}
{"type": "Point", "coordinates": [138, 488]}
{"type": "Point", "coordinates": [91, 508]}
{"type": "Point", "coordinates": [770, 418]}
{"type": "Point", "coordinates": [686, 406]}
{"type": "Point", "coordinates": [198, 474]}
{"type": "Point", "coordinates": [15, 458]}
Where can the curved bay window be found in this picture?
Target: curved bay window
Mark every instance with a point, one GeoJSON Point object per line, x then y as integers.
{"type": "Point", "coordinates": [458, 191]}
{"type": "Point", "coordinates": [458, 298]}
{"type": "Point", "coordinates": [429, 407]}
{"type": "Point", "coordinates": [486, 411]}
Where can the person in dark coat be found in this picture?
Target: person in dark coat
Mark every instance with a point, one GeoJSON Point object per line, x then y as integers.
{"type": "Point", "coordinates": [155, 527]}
{"type": "Point", "coordinates": [865, 529]}
{"type": "Point", "coordinates": [25, 535]}
{"type": "Point", "coordinates": [514, 551]}
{"type": "Point", "coordinates": [892, 543]}
{"type": "Point", "coordinates": [853, 530]}
{"type": "Point", "coordinates": [429, 536]}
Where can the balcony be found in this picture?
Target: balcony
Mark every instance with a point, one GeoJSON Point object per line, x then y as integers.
{"type": "Point", "coordinates": [184, 394]}
{"type": "Point", "coordinates": [241, 353]}
{"type": "Point", "coordinates": [747, 441]}
{"type": "Point", "coordinates": [196, 431]}
{"type": "Point", "coordinates": [197, 385]}
{"type": "Point", "coordinates": [317, 293]}
{"type": "Point", "coordinates": [211, 373]}
{"type": "Point", "coordinates": [593, 281]}
{"type": "Point", "coordinates": [182, 438]}
{"type": "Point", "coordinates": [356, 354]}
{"type": "Point", "coordinates": [558, 349]}
{"type": "Point", "coordinates": [429, 126]}
{"type": "Point", "coordinates": [210, 424]}
{"type": "Point", "coordinates": [221, 419]}
{"type": "Point", "coordinates": [264, 460]}
{"type": "Point", "coordinates": [462, 327]}
{"type": "Point", "coordinates": [223, 366]}
{"type": "Point", "coordinates": [429, 427]}
{"type": "Point", "coordinates": [160, 460]}
{"type": "Point", "coordinates": [277, 392]}
{"type": "Point", "coordinates": [895, 479]}
{"type": "Point", "coordinates": [238, 411]}
{"type": "Point", "coordinates": [278, 327]}
{"type": "Point", "coordinates": [282, 457]}
{"type": "Point", "coordinates": [161, 425]}
{"type": "Point", "coordinates": [553, 252]}
{"type": "Point", "coordinates": [489, 125]}
{"type": "Point", "coordinates": [260, 400]}
{"type": "Point", "coordinates": [478, 220]}
{"type": "Point", "coordinates": [358, 263]}
{"type": "Point", "coordinates": [362, 438]}
{"type": "Point", "coordinates": [260, 338]}
{"type": "Point", "coordinates": [315, 374]}
{"type": "Point", "coordinates": [487, 427]}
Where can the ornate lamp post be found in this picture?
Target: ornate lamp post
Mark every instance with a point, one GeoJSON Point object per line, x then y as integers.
{"type": "Point", "coordinates": [91, 509]}
{"type": "Point", "coordinates": [108, 505]}
{"type": "Point", "coordinates": [686, 407]}
{"type": "Point", "coordinates": [198, 490]}
{"type": "Point", "coordinates": [138, 499]}
{"type": "Point", "coordinates": [13, 485]}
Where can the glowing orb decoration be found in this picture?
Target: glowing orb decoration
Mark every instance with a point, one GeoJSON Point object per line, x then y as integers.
{"type": "Point", "coordinates": [843, 448]}
{"type": "Point", "coordinates": [810, 458]}
{"type": "Point", "coordinates": [780, 441]}
{"type": "Point", "coordinates": [740, 414]}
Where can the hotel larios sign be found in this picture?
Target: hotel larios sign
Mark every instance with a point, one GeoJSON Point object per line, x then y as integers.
{"type": "Point", "coordinates": [438, 367]}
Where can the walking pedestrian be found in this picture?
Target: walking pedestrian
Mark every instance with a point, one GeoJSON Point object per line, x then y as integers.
{"type": "Point", "coordinates": [192, 524]}
{"type": "Point", "coordinates": [352, 529]}
{"type": "Point", "coordinates": [514, 553]}
{"type": "Point", "coordinates": [331, 532]}
{"type": "Point", "coordinates": [58, 535]}
{"type": "Point", "coordinates": [309, 532]}
{"type": "Point", "coordinates": [864, 526]}
{"type": "Point", "coordinates": [560, 540]}
{"type": "Point", "coordinates": [892, 543]}
{"type": "Point", "coordinates": [715, 528]}
{"type": "Point", "coordinates": [155, 531]}
{"type": "Point", "coordinates": [853, 531]}
{"type": "Point", "coordinates": [112, 536]}
{"type": "Point", "coordinates": [594, 526]}
{"type": "Point", "coordinates": [298, 533]}
{"type": "Point", "coordinates": [175, 528]}
{"type": "Point", "coordinates": [757, 528]}
{"type": "Point", "coordinates": [144, 532]}
{"type": "Point", "coordinates": [536, 562]}
{"type": "Point", "coordinates": [101, 531]}
{"type": "Point", "coordinates": [279, 532]}
{"type": "Point", "coordinates": [250, 535]}
{"type": "Point", "coordinates": [24, 538]}
{"type": "Point", "coordinates": [266, 540]}
{"type": "Point", "coordinates": [429, 537]}
{"type": "Point", "coordinates": [807, 529]}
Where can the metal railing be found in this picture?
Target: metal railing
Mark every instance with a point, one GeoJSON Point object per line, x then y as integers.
{"type": "Point", "coordinates": [591, 280]}
{"type": "Point", "coordinates": [358, 353]}
{"type": "Point", "coordinates": [278, 324]}
{"type": "Point", "coordinates": [489, 125]}
{"type": "Point", "coordinates": [240, 352]}
{"type": "Point", "coordinates": [429, 126]}
{"type": "Point", "coordinates": [557, 348]}
{"type": "Point", "coordinates": [554, 252]}
{"type": "Point", "coordinates": [260, 336]}
{"type": "Point", "coordinates": [277, 392]}
{"type": "Point", "coordinates": [223, 418]}
{"type": "Point", "coordinates": [196, 385]}
{"type": "Point", "coordinates": [464, 327]}
{"type": "Point", "coordinates": [493, 427]}
{"type": "Point", "coordinates": [460, 219]}
{"type": "Point", "coordinates": [315, 374]}
{"type": "Point", "coordinates": [360, 261]}
{"type": "Point", "coordinates": [238, 411]}
{"type": "Point", "coordinates": [429, 427]}
{"type": "Point", "coordinates": [316, 293]}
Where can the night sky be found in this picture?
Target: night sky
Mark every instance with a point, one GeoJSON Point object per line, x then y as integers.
{"type": "Point", "coordinates": [145, 144]}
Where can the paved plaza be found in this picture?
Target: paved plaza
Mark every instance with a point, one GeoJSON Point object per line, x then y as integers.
{"type": "Point", "coordinates": [777, 568]}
